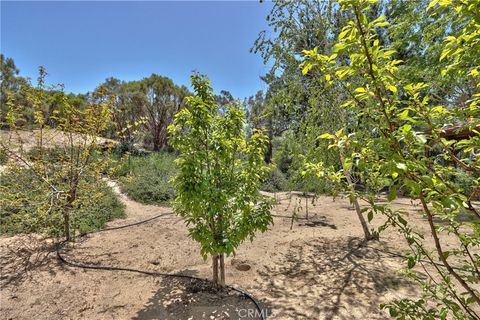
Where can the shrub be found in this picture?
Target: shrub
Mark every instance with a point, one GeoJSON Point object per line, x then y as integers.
{"type": "Point", "coordinates": [147, 178]}
{"type": "Point", "coordinates": [102, 207]}
{"type": "Point", "coordinates": [23, 208]}
{"type": "Point", "coordinates": [275, 180]}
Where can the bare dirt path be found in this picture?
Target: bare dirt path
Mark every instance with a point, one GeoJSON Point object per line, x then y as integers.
{"type": "Point", "coordinates": [308, 269]}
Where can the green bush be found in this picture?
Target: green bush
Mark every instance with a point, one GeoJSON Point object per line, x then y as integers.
{"type": "Point", "coordinates": [25, 206]}
{"type": "Point", "coordinates": [275, 180]}
{"type": "Point", "coordinates": [147, 178]}
{"type": "Point", "coordinates": [317, 185]}
{"type": "Point", "coordinates": [102, 207]}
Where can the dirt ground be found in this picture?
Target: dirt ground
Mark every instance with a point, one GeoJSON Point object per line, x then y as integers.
{"type": "Point", "coordinates": [312, 268]}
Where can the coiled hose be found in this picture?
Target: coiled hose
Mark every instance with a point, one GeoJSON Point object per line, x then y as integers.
{"type": "Point", "coordinates": [60, 245]}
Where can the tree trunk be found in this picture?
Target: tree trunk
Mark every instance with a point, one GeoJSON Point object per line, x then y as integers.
{"type": "Point", "coordinates": [222, 269]}
{"type": "Point", "coordinates": [66, 224]}
{"type": "Point", "coordinates": [156, 138]}
{"type": "Point", "coordinates": [363, 222]}
{"type": "Point", "coordinates": [215, 268]}
{"type": "Point", "coordinates": [156, 144]}
{"type": "Point", "coordinates": [354, 200]}
{"type": "Point", "coordinates": [269, 152]}
{"type": "Point", "coordinates": [306, 205]}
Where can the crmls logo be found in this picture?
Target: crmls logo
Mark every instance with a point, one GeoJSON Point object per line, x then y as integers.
{"type": "Point", "coordinates": [253, 313]}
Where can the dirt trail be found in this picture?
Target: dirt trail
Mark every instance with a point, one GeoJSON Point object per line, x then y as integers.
{"type": "Point", "coordinates": [308, 269]}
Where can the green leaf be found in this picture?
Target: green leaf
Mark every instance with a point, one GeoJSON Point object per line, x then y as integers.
{"type": "Point", "coordinates": [338, 47]}
{"type": "Point", "coordinates": [392, 195]}
{"type": "Point", "coordinates": [403, 115]}
{"type": "Point", "coordinates": [392, 88]}
{"type": "Point", "coordinates": [393, 312]}
{"type": "Point", "coordinates": [343, 34]}
{"type": "Point", "coordinates": [411, 262]}
{"type": "Point", "coordinates": [326, 136]}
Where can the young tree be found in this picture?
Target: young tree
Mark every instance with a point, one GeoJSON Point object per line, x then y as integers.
{"type": "Point", "coordinates": [220, 173]}
{"type": "Point", "coordinates": [62, 158]}
{"type": "Point", "coordinates": [410, 150]}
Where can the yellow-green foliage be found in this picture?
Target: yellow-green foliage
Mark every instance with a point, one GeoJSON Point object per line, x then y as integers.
{"type": "Point", "coordinates": [220, 173]}
{"type": "Point", "coordinates": [24, 209]}
{"type": "Point", "coordinates": [58, 176]}
{"type": "Point", "coordinates": [402, 152]}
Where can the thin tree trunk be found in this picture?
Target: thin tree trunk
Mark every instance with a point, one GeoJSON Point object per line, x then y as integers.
{"type": "Point", "coordinates": [441, 254]}
{"type": "Point", "coordinates": [215, 268]}
{"type": "Point", "coordinates": [222, 269]}
{"type": "Point", "coordinates": [306, 205]}
{"type": "Point", "coordinates": [363, 222]}
{"type": "Point", "coordinates": [66, 214]}
{"type": "Point", "coordinates": [66, 224]}
{"type": "Point", "coordinates": [354, 200]}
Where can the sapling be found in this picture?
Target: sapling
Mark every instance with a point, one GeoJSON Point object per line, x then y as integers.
{"type": "Point", "coordinates": [220, 172]}
{"type": "Point", "coordinates": [61, 156]}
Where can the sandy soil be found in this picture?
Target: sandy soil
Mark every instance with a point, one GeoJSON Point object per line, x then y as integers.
{"type": "Point", "coordinates": [310, 269]}
{"type": "Point", "coordinates": [27, 139]}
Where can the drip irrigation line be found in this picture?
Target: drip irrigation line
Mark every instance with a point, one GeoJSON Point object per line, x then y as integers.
{"type": "Point", "coordinates": [75, 264]}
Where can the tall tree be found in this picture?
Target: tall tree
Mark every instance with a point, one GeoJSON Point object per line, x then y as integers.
{"type": "Point", "coordinates": [126, 114]}
{"type": "Point", "coordinates": [294, 99]}
{"type": "Point", "coordinates": [411, 126]}
{"type": "Point", "coordinates": [148, 104]}
{"type": "Point", "coordinates": [161, 99]}
{"type": "Point", "coordinates": [418, 37]}
{"type": "Point", "coordinates": [10, 85]}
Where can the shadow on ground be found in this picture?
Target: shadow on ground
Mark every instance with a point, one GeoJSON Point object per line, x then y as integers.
{"type": "Point", "coordinates": [21, 257]}
{"type": "Point", "coordinates": [327, 278]}
{"type": "Point", "coordinates": [182, 299]}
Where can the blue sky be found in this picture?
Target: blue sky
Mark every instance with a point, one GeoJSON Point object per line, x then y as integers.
{"type": "Point", "coordinates": [82, 43]}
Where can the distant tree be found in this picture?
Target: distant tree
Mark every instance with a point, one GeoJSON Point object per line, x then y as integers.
{"type": "Point", "coordinates": [160, 100]}
{"type": "Point", "coordinates": [224, 98]}
{"type": "Point", "coordinates": [10, 85]}
{"type": "Point", "coordinates": [260, 116]}
{"type": "Point", "coordinates": [296, 101]}
{"type": "Point", "coordinates": [9, 76]}
{"type": "Point", "coordinates": [220, 173]}
{"type": "Point", "coordinates": [144, 106]}
{"type": "Point", "coordinates": [127, 115]}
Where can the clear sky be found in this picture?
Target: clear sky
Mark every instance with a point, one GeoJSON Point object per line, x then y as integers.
{"type": "Point", "coordinates": [82, 43]}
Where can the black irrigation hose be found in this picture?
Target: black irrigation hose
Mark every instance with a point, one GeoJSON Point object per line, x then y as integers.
{"type": "Point", "coordinates": [60, 245]}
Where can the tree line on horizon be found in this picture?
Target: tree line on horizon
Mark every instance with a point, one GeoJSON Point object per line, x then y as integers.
{"type": "Point", "coordinates": [142, 109]}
